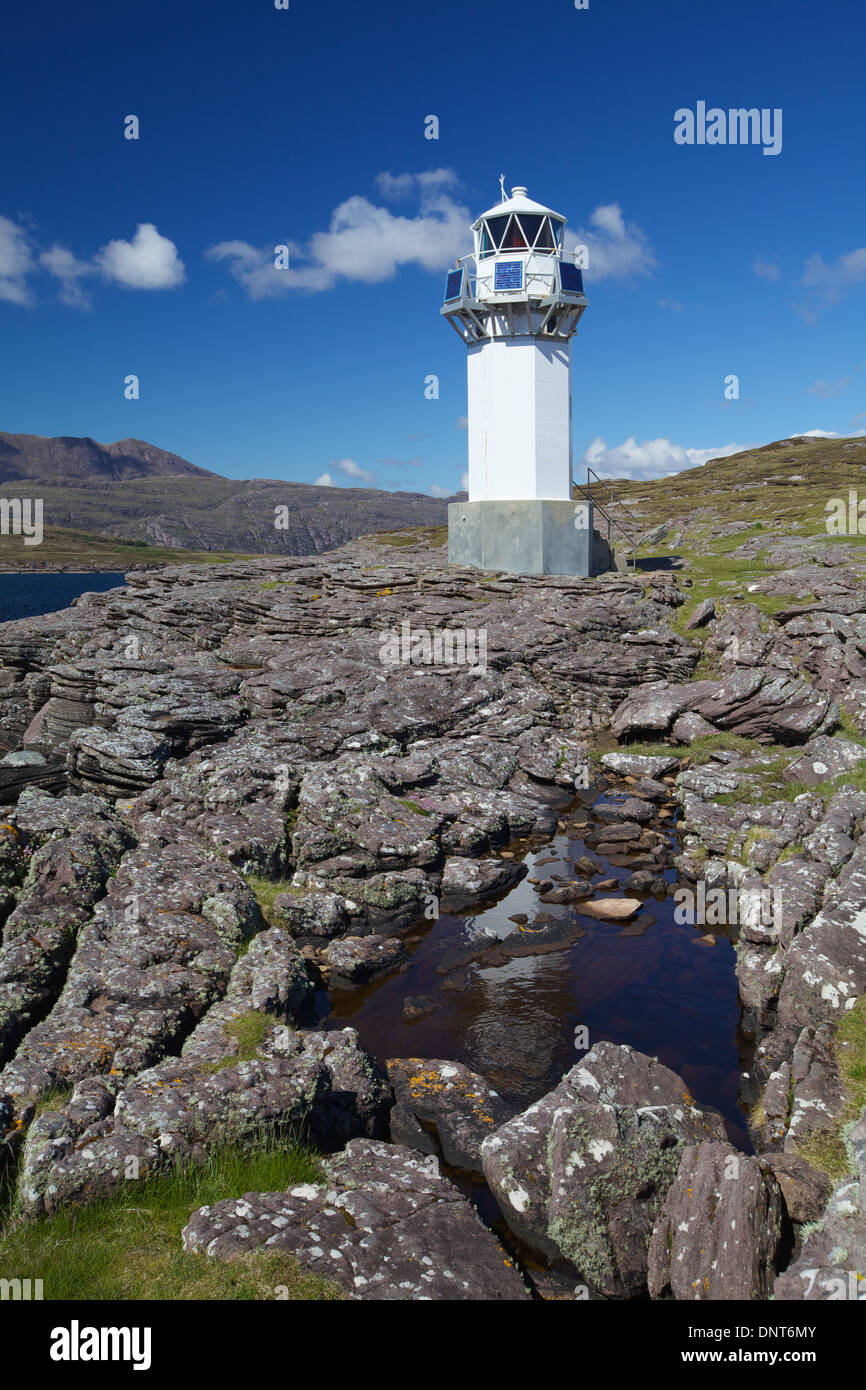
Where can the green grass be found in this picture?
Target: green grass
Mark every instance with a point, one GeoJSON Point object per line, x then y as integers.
{"type": "Point", "coordinates": [433, 536]}
{"type": "Point", "coordinates": [828, 1150]}
{"type": "Point", "coordinates": [249, 1029]}
{"type": "Point", "coordinates": [266, 890]}
{"type": "Point", "coordinates": [70, 549]}
{"type": "Point", "coordinates": [702, 750]}
{"type": "Point", "coordinates": [128, 1246]}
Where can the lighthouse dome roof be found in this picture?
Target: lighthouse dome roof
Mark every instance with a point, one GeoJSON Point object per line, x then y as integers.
{"type": "Point", "coordinates": [518, 202]}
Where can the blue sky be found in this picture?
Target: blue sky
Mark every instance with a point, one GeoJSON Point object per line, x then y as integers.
{"type": "Point", "coordinates": [306, 127]}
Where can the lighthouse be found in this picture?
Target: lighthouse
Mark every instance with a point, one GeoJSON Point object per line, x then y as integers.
{"type": "Point", "coordinates": [515, 302]}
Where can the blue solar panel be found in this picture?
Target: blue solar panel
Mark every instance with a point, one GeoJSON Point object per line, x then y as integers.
{"type": "Point", "coordinates": [508, 275]}
{"type": "Point", "coordinates": [570, 278]}
{"type": "Point", "coordinates": [454, 284]}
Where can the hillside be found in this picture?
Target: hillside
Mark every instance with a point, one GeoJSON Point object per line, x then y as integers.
{"type": "Point", "coordinates": [782, 488]}
{"type": "Point", "coordinates": [134, 492]}
{"type": "Point", "coordinates": [63, 458]}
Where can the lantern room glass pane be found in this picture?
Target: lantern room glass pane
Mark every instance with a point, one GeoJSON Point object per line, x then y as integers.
{"type": "Point", "coordinates": [557, 230]}
{"type": "Point", "coordinates": [530, 222]}
{"type": "Point", "coordinates": [496, 227]}
{"type": "Point", "coordinates": [545, 236]}
{"type": "Point", "coordinates": [514, 240]}
{"type": "Point", "coordinates": [485, 244]}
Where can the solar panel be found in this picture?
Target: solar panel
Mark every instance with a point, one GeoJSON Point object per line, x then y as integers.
{"type": "Point", "coordinates": [508, 275]}
{"type": "Point", "coordinates": [570, 278]}
{"type": "Point", "coordinates": [454, 284]}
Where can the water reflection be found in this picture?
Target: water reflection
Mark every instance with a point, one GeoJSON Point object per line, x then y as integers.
{"type": "Point", "coordinates": [650, 985]}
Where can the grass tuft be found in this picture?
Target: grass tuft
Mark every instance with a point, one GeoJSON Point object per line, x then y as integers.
{"type": "Point", "coordinates": [128, 1246]}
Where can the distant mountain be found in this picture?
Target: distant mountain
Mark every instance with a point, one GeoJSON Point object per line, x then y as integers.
{"type": "Point", "coordinates": [59, 460]}
{"type": "Point", "coordinates": [137, 492]}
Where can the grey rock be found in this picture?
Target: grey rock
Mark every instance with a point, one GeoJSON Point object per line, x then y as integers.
{"type": "Point", "coordinates": [358, 958]}
{"type": "Point", "coordinates": [449, 1101]}
{"type": "Point", "coordinates": [386, 1226]}
{"type": "Point", "coordinates": [582, 1174]}
{"type": "Point", "coordinates": [719, 1230]}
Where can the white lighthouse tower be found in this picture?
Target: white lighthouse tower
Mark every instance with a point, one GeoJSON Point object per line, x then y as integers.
{"type": "Point", "coordinates": [516, 302]}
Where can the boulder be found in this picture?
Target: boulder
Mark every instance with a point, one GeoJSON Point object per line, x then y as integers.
{"type": "Point", "coordinates": [719, 1230]}
{"type": "Point", "coordinates": [831, 1264]}
{"type": "Point", "coordinates": [448, 1101]}
{"type": "Point", "coordinates": [358, 958]}
{"type": "Point", "coordinates": [385, 1225]}
{"type": "Point", "coordinates": [824, 757]}
{"type": "Point", "coordinates": [582, 1174]}
{"type": "Point", "coordinates": [805, 1190]}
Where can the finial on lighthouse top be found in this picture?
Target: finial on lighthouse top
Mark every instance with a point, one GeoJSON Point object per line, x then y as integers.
{"type": "Point", "coordinates": [504, 198]}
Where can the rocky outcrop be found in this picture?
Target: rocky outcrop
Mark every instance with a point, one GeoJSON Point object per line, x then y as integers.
{"type": "Point", "coordinates": [263, 793]}
{"type": "Point", "coordinates": [444, 1108]}
{"type": "Point", "coordinates": [385, 1225]}
{"type": "Point", "coordinates": [582, 1174]}
{"type": "Point", "coordinates": [719, 1231]}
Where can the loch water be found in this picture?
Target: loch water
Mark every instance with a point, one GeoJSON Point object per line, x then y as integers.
{"type": "Point", "coordinates": [28, 595]}
{"type": "Point", "coordinates": [652, 984]}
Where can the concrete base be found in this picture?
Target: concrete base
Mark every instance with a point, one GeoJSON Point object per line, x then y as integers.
{"type": "Point", "coordinates": [527, 537]}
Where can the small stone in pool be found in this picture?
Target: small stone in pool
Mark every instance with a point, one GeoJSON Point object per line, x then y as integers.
{"type": "Point", "coordinates": [611, 909]}
{"type": "Point", "coordinates": [417, 1006]}
{"type": "Point", "coordinates": [520, 918]}
{"type": "Point", "coordinates": [586, 866]}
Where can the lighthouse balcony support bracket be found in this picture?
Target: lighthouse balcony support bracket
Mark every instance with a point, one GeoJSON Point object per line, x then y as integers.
{"type": "Point", "coordinates": [527, 537]}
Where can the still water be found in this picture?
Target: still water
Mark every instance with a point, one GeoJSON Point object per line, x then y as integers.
{"type": "Point", "coordinates": [27, 595]}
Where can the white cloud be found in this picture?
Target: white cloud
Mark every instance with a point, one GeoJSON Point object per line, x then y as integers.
{"type": "Point", "coordinates": [324, 480]}
{"type": "Point", "coordinates": [438, 491]}
{"type": "Point", "coordinates": [834, 278]}
{"type": "Point", "coordinates": [364, 242]}
{"type": "Point", "coordinates": [68, 270]}
{"type": "Point", "coordinates": [767, 271]}
{"type": "Point", "coordinates": [464, 482]}
{"type": "Point", "coordinates": [147, 262]}
{"type": "Point", "coordinates": [353, 470]}
{"type": "Point", "coordinates": [654, 458]}
{"type": "Point", "coordinates": [463, 422]}
{"type": "Point", "coordinates": [253, 267]}
{"type": "Point", "coordinates": [817, 434]}
{"type": "Point", "coordinates": [827, 389]}
{"type": "Point", "coordinates": [16, 262]}
{"type": "Point", "coordinates": [368, 243]}
{"type": "Point", "coordinates": [396, 187]}
{"type": "Point", "coordinates": [617, 249]}
{"type": "Point", "coordinates": [672, 304]}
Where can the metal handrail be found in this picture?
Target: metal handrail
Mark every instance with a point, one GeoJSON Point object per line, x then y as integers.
{"type": "Point", "coordinates": [612, 520]}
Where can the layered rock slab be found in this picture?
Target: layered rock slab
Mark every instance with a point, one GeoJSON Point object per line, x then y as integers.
{"type": "Point", "coordinates": [387, 1227]}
